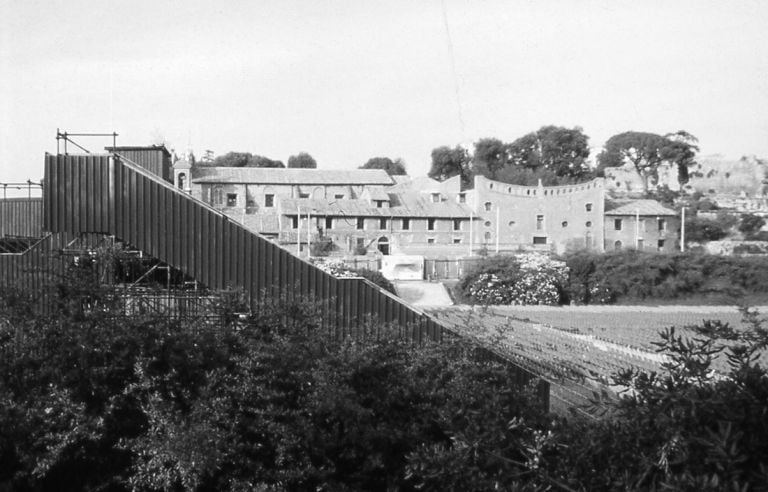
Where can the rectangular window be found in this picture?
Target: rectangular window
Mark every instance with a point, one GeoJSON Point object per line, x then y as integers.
{"type": "Point", "coordinates": [379, 203]}
{"type": "Point", "coordinates": [640, 244]}
{"type": "Point", "coordinates": [662, 225]}
{"type": "Point", "coordinates": [617, 224]}
{"type": "Point", "coordinates": [462, 198]}
{"type": "Point", "coordinates": [295, 222]}
{"type": "Point", "coordinates": [360, 223]}
{"type": "Point", "coordinates": [539, 239]}
{"type": "Point", "coordinates": [431, 240]}
{"type": "Point", "coordinates": [269, 200]}
{"type": "Point", "coordinates": [338, 197]}
{"type": "Point", "coordinates": [231, 199]}
{"type": "Point", "coordinates": [430, 224]}
{"type": "Point", "coordinates": [456, 241]}
{"type": "Point", "coordinates": [329, 222]}
{"type": "Point", "coordinates": [303, 195]}
{"type": "Point", "coordinates": [661, 244]}
{"type": "Point", "coordinates": [406, 224]}
{"type": "Point", "coordinates": [588, 206]}
{"type": "Point", "coordinates": [539, 222]}
{"type": "Point", "coordinates": [456, 224]}
{"type": "Point", "coordinates": [382, 223]}
{"type": "Point", "coordinates": [435, 197]}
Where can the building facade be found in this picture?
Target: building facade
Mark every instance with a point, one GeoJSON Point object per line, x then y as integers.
{"type": "Point", "coordinates": [363, 211]}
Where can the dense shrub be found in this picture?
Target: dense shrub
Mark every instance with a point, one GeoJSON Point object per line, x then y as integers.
{"type": "Point", "coordinates": [700, 230]}
{"type": "Point", "coordinates": [631, 275]}
{"type": "Point", "coordinates": [750, 225]}
{"type": "Point", "coordinates": [268, 401]}
{"type": "Point", "coordinates": [91, 400]}
{"type": "Point", "coordinates": [522, 279]}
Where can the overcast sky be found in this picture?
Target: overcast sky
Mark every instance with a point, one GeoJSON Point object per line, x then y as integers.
{"type": "Point", "coordinates": [350, 80]}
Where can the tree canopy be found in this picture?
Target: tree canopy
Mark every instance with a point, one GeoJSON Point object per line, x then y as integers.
{"type": "Point", "coordinates": [553, 154]}
{"type": "Point", "coordinates": [302, 160]}
{"type": "Point", "coordinates": [449, 162]}
{"type": "Point", "coordinates": [646, 151]}
{"type": "Point", "coordinates": [243, 159]}
{"type": "Point", "coordinates": [393, 168]}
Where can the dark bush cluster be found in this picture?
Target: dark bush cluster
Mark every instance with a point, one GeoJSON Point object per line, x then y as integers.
{"type": "Point", "coordinates": [628, 276]}
{"type": "Point", "coordinates": [268, 400]}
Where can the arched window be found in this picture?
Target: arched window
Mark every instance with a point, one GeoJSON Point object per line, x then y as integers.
{"type": "Point", "coordinates": [383, 245]}
{"type": "Point", "coordinates": [488, 206]}
{"type": "Point", "coordinates": [617, 245]}
{"type": "Point", "coordinates": [182, 180]}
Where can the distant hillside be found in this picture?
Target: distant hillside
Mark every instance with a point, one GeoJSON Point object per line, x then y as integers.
{"type": "Point", "coordinates": [731, 176]}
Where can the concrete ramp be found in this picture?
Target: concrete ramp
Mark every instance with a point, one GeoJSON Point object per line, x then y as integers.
{"type": "Point", "coordinates": [423, 293]}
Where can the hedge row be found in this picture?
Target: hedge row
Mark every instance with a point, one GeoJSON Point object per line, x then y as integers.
{"type": "Point", "coordinates": [627, 276]}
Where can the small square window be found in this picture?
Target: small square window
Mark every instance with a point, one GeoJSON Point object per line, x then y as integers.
{"type": "Point", "coordinates": [456, 241]}
{"type": "Point", "coordinates": [588, 206]}
{"type": "Point", "coordinates": [231, 199]}
{"type": "Point", "coordinates": [488, 206]}
{"type": "Point", "coordinates": [435, 197]}
{"type": "Point", "coordinates": [269, 200]}
{"type": "Point", "coordinates": [430, 224]}
{"type": "Point", "coordinates": [661, 244]}
{"type": "Point", "coordinates": [462, 198]}
{"type": "Point", "coordinates": [406, 224]}
{"type": "Point", "coordinates": [431, 240]}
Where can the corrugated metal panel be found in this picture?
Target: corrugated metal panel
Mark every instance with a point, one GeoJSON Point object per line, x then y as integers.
{"type": "Point", "coordinates": [156, 159]}
{"type": "Point", "coordinates": [21, 217]}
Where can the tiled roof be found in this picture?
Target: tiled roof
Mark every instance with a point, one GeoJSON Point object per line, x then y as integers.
{"type": "Point", "coordinates": [402, 205]}
{"type": "Point", "coordinates": [633, 207]}
{"type": "Point", "coordinates": [264, 175]}
{"type": "Point", "coordinates": [376, 194]}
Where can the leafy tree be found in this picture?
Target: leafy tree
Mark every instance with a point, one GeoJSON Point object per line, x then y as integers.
{"type": "Point", "coordinates": [393, 168]}
{"type": "Point", "coordinates": [646, 151]}
{"type": "Point", "coordinates": [564, 150]}
{"type": "Point", "coordinates": [490, 156]}
{"type": "Point", "coordinates": [750, 225]}
{"type": "Point", "coordinates": [449, 162]}
{"type": "Point", "coordinates": [643, 150]}
{"type": "Point", "coordinates": [302, 160]}
{"type": "Point", "coordinates": [680, 149]}
{"type": "Point", "coordinates": [243, 159]}
{"type": "Point", "coordinates": [525, 152]}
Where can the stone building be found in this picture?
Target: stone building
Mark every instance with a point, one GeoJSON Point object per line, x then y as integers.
{"type": "Point", "coordinates": [640, 224]}
{"type": "Point", "coordinates": [367, 210]}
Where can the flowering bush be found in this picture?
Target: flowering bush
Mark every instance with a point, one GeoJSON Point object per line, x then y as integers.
{"type": "Point", "coordinates": [525, 279]}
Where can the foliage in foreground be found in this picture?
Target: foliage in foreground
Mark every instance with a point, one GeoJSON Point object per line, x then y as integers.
{"type": "Point", "coordinates": [92, 401]}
